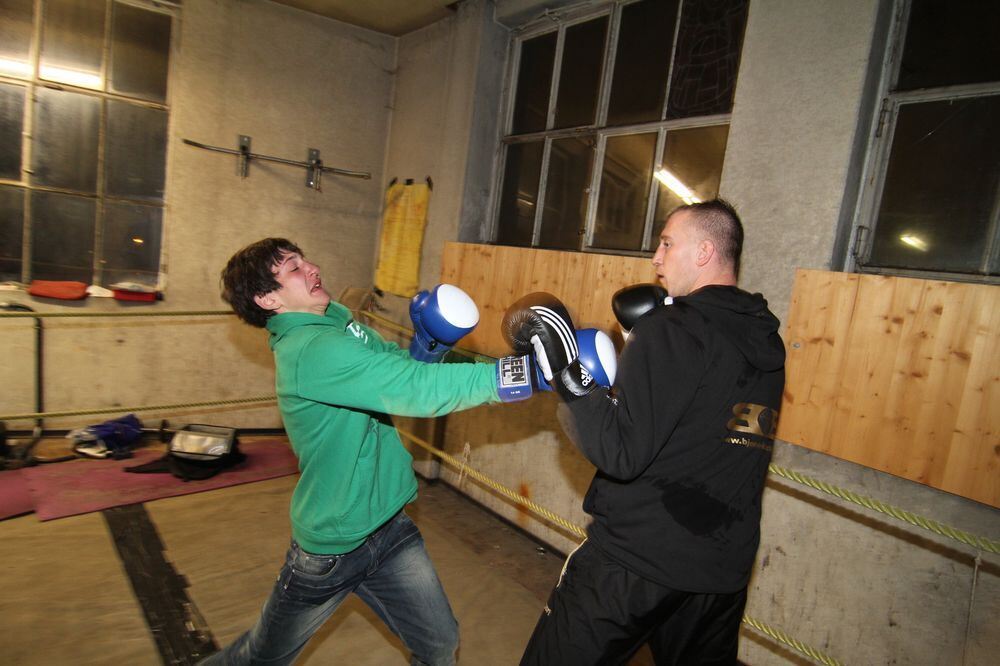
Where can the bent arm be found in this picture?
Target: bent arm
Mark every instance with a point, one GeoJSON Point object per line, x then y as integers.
{"type": "Point", "coordinates": [622, 431]}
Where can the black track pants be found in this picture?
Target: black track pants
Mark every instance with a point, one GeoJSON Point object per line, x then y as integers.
{"type": "Point", "coordinates": [601, 613]}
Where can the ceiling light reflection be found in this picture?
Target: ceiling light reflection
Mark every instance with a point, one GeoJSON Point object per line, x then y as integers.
{"type": "Point", "coordinates": [674, 184]}
{"type": "Point", "coordinates": [915, 242]}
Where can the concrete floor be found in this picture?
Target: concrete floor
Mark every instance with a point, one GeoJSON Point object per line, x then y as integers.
{"type": "Point", "coordinates": [67, 598]}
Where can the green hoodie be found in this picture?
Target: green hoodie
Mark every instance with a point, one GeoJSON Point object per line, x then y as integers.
{"type": "Point", "coordinates": [336, 380]}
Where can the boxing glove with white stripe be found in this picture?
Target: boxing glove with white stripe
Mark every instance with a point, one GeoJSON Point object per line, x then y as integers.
{"type": "Point", "coordinates": [539, 322]}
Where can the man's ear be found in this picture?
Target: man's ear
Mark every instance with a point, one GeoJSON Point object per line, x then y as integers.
{"type": "Point", "coordinates": [268, 301]}
{"type": "Point", "coordinates": [706, 250]}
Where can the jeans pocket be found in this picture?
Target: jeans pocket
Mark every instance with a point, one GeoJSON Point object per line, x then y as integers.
{"type": "Point", "coordinates": [309, 565]}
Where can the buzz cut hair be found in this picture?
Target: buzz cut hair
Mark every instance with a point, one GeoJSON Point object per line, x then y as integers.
{"type": "Point", "coordinates": [718, 220]}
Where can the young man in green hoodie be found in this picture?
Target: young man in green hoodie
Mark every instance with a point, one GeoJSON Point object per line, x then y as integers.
{"type": "Point", "coordinates": [336, 381]}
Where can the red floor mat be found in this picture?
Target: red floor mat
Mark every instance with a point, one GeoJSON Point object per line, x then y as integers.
{"type": "Point", "coordinates": [81, 486]}
{"type": "Point", "coordinates": [14, 496]}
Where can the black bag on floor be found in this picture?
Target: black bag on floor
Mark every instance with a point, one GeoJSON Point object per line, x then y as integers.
{"type": "Point", "coordinates": [197, 452]}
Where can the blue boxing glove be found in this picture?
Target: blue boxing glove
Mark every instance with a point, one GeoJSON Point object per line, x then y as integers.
{"type": "Point", "coordinates": [597, 356]}
{"type": "Point", "coordinates": [441, 317]}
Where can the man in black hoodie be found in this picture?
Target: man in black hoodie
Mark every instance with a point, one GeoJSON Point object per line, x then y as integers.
{"type": "Point", "coordinates": [681, 444]}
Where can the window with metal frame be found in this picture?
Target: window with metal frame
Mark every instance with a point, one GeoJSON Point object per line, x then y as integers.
{"type": "Point", "coordinates": [931, 200]}
{"type": "Point", "coordinates": [613, 119]}
{"type": "Point", "coordinates": [83, 139]}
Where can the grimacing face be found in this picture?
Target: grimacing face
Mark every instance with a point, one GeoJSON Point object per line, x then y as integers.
{"type": "Point", "coordinates": [301, 288]}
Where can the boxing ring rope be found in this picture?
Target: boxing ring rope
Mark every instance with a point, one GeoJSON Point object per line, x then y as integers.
{"type": "Point", "coordinates": [978, 542]}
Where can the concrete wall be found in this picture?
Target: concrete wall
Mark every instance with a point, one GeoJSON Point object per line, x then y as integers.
{"type": "Point", "coordinates": [862, 587]}
{"type": "Point", "coordinates": [291, 81]}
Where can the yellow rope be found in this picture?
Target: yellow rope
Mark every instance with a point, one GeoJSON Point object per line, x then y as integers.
{"type": "Point", "coordinates": [578, 531]}
{"type": "Point", "coordinates": [399, 328]}
{"type": "Point", "coordinates": [782, 637]}
{"type": "Point", "coordinates": [144, 408]}
{"type": "Point", "coordinates": [973, 540]}
{"type": "Point", "coordinates": [981, 543]}
{"type": "Point", "coordinates": [144, 313]}
{"type": "Point", "coordinates": [498, 487]}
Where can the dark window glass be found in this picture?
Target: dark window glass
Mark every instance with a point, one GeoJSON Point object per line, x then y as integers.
{"type": "Point", "coordinates": [15, 37]}
{"type": "Point", "coordinates": [11, 128]}
{"type": "Point", "coordinates": [140, 47]}
{"type": "Point", "coordinates": [62, 237]}
{"type": "Point", "coordinates": [534, 81]}
{"type": "Point", "coordinates": [519, 196]}
{"type": "Point", "coordinates": [940, 191]}
{"type": "Point", "coordinates": [950, 43]}
{"type": "Point", "coordinates": [580, 74]}
{"type": "Point", "coordinates": [693, 157]}
{"type": "Point", "coordinates": [65, 140]}
{"type": "Point", "coordinates": [131, 244]}
{"type": "Point", "coordinates": [73, 42]}
{"type": "Point", "coordinates": [135, 156]}
{"type": "Point", "coordinates": [624, 194]}
{"type": "Point", "coordinates": [11, 232]}
{"type": "Point", "coordinates": [566, 188]}
{"type": "Point", "coordinates": [642, 62]}
{"type": "Point", "coordinates": [707, 58]}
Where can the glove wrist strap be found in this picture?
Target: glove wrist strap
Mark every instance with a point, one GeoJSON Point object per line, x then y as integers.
{"type": "Point", "coordinates": [514, 378]}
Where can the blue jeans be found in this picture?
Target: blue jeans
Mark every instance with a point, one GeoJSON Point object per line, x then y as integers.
{"type": "Point", "coordinates": [390, 571]}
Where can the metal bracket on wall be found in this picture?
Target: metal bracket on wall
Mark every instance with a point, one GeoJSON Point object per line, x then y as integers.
{"type": "Point", "coordinates": [314, 165]}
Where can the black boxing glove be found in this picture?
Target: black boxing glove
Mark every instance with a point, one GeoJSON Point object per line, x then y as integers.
{"type": "Point", "coordinates": [631, 303]}
{"type": "Point", "coordinates": [540, 323]}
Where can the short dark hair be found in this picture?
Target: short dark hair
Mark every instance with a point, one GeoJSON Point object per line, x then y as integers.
{"type": "Point", "coordinates": [718, 220]}
{"type": "Point", "coordinates": [250, 273]}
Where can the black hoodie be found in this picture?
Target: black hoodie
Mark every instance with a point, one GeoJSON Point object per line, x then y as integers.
{"type": "Point", "coordinates": [683, 440]}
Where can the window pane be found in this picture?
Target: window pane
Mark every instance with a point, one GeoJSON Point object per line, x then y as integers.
{"type": "Point", "coordinates": [621, 208]}
{"type": "Point", "coordinates": [940, 186]}
{"type": "Point", "coordinates": [15, 37]}
{"type": "Point", "coordinates": [131, 244]}
{"type": "Point", "coordinates": [65, 140]}
{"type": "Point", "coordinates": [694, 158]}
{"type": "Point", "coordinates": [11, 127]}
{"type": "Point", "coordinates": [72, 42]}
{"type": "Point", "coordinates": [580, 74]}
{"type": "Point", "coordinates": [564, 217]}
{"type": "Point", "coordinates": [642, 61]}
{"type": "Point", "coordinates": [531, 103]}
{"type": "Point", "coordinates": [136, 151]}
{"type": "Point", "coordinates": [11, 232]}
{"type": "Point", "coordinates": [516, 222]}
{"type": "Point", "coordinates": [62, 237]}
{"type": "Point", "coordinates": [139, 49]}
{"type": "Point", "coordinates": [950, 43]}
{"type": "Point", "coordinates": [707, 59]}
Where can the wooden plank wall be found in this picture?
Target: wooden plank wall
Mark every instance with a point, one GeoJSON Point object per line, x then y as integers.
{"type": "Point", "coordinates": [497, 276]}
{"type": "Point", "coordinates": [898, 374]}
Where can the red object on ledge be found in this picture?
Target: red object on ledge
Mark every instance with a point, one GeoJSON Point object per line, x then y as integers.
{"type": "Point", "coordinates": [61, 289]}
{"type": "Point", "coordinates": [126, 295]}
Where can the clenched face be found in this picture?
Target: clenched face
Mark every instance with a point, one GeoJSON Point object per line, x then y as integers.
{"type": "Point", "coordinates": [677, 256]}
{"type": "Point", "coordinates": [301, 288]}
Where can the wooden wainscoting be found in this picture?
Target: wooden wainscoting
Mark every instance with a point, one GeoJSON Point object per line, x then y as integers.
{"type": "Point", "coordinates": [496, 276]}
{"type": "Point", "coordinates": [898, 374]}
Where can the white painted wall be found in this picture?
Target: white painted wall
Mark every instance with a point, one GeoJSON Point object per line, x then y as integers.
{"type": "Point", "coordinates": [291, 81]}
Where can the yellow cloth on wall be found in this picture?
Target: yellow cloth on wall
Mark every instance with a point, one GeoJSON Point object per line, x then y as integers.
{"type": "Point", "coordinates": [403, 223]}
